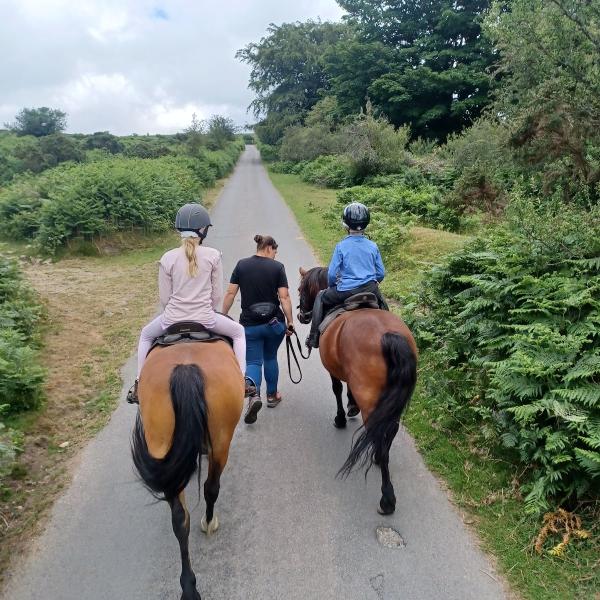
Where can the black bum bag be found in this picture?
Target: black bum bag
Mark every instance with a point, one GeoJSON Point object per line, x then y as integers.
{"type": "Point", "coordinates": [263, 310]}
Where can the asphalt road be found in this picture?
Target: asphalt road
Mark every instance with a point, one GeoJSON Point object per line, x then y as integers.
{"type": "Point", "coordinates": [289, 529]}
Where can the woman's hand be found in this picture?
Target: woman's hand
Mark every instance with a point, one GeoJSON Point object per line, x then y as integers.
{"type": "Point", "coordinates": [290, 329]}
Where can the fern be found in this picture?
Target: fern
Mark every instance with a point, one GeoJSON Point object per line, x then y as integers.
{"type": "Point", "coordinates": [513, 321]}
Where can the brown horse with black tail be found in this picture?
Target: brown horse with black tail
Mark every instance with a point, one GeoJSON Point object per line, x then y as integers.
{"type": "Point", "coordinates": [191, 396]}
{"type": "Point", "coordinates": [374, 352]}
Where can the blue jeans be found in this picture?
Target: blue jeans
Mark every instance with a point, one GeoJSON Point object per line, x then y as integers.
{"type": "Point", "coordinates": [262, 342]}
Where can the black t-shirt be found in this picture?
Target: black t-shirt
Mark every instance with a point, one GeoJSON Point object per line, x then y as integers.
{"type": "Point", "coordinates": [259, 279]}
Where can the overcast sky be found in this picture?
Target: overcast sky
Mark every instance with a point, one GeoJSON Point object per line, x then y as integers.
{"type": "Point", "coordinates": [136, 66]}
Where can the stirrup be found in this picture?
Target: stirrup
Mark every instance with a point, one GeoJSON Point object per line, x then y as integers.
{"type": "Point", "coordinates": [250, 387]}
{"type": "Point", "coordinates": [132, 394]}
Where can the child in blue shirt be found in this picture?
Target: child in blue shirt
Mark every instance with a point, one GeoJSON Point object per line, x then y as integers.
{"type": "Point", "coordinates": [355, 267]}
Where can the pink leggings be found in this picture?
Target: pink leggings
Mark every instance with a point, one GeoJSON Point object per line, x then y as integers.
{"type": "Point", "coordinates": [223, 325]}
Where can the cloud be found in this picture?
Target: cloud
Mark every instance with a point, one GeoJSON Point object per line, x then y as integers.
{"type": "Point", "coordinates": [135, 65]}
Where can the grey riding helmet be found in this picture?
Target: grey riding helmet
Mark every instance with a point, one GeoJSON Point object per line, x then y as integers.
{"type": "Point", "coordinates": [356, 216]}
{"type": "Point", "coordinates": [193, 217]}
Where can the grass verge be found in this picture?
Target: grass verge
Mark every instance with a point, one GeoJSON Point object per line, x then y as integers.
{"type": "Point", "coordinates": [484, 487]}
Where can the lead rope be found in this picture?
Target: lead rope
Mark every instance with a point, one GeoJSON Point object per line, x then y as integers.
{"type": "Point", "coordinates": [289, 347]}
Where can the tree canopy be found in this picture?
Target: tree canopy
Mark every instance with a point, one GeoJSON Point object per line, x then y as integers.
{"type": "Point", "coordinates": [422, 63]}
{"type": "Point", "coordinates": [39, 121]}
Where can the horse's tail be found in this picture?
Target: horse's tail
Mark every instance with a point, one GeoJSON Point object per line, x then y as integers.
{"type": "Point", "coordinates": [168, 476]}
{"type": "Point", "coordinates": [378, 433]}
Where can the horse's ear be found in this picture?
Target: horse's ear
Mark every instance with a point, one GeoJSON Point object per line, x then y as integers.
{"type": "Point", "coordinates": [302, 271]}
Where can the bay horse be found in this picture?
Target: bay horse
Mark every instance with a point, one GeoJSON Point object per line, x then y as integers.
{"type": "Point", "coordinates": [374, 352]}
{"type": "Point", "coordinates": [191, 396]}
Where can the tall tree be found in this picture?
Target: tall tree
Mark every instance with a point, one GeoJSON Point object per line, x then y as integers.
{"type": "Point", "coordinates": [436, 60]}
{"type": "Point", "coordinates": [220, 131]}
{"type": "Point", "coordinates": [39, 121]}
{"type": "Point", "coordinates": [288, 72]}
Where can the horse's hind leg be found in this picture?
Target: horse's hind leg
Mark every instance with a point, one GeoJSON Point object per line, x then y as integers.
{"type": "Point", "coordinates": [212, 485]}
{"type": "Point", "coordinates": [387, 504]}
{"type": "Point", "coordinates": [338, 388]}
{"type": "Point", "coordinates": [352, 407]}
{"type": "Point", "coordinates": [180, 518]}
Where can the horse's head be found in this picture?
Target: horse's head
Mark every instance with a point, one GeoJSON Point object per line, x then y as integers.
{"type": "Point", "coordinates": [311, 282]}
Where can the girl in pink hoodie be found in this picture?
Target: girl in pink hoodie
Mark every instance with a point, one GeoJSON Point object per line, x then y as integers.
{"type": "Point", "coordinates": [190, 286]}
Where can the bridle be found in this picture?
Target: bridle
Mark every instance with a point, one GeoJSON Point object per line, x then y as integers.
{"type": "Point", "coordinates": [304, 313]}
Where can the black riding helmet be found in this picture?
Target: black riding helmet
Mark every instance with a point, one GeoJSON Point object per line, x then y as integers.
{"type": "Point", "coordinates": [356, 216]}
{"type": "Point", "coordinates": [193, 217]}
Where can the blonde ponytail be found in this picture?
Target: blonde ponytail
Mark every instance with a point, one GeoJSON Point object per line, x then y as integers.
{"type": "Point", "coordinates": [190, 244]}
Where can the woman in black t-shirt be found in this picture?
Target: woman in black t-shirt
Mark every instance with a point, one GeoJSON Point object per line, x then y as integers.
{"type": "Point", "coordinates": [264, 287]}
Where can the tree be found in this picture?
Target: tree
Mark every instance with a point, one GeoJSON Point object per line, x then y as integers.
{"type": "Point", "coordinates": [39, 121]}
{"type": "Point", "coordinates": [426, 62]}
{"type": "Point", "coordinates": [220, 131]}
{"type": "Point", "coordinates": [550, 93]}
{"type": "Point", "coordinates": [288, 73]}
{"type": "Point", "coordinates": [195, 135]}
{"type": "Point", "coordinates": [353, 65]}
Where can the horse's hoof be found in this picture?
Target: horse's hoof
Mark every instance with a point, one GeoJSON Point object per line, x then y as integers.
{"type": "Point", "coordinates": [340, 422]}
{"type": "Point", "coordinates": [386, 509]}
{"type": "Point", "coordinates": [353, 411]}
{"type": "Point", "coordinates": [211, 527]}
{"type": "Point", "coordinates": [191, 595]}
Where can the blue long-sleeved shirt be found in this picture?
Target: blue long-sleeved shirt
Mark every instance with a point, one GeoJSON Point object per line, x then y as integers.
{"type": "Point", "coordinates": [356, 260]}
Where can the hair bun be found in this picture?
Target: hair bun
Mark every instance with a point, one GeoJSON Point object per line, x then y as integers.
{"type": "Point", "coordinates": [258, 239]}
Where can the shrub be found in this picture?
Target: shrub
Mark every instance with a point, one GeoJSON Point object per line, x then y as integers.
{"type": "Point", "coordinates": [374, 146]}
{"type": "Point", "coordinates": [480, 168]}
{"type": "Point", "coordinates": [389, 233]}
{"type": "Point", "coordinates": [510, 324]}
{"type": "Point", "coordinates": [328, 171]}
{"type": "Point", "coordinates": [146, 149]}
{"type": "Point", "coordinates": [426, 203]}
{"type": "Point", "coordinates": [267, 152]}
{"type": "Point", "coordinates": [19, 209]}
{"type": "Point", "coordinates": [103, 140]}
{"type": "Point", "coordinates": [99, 198]}
{"type": "Point", "coordinates": [10, 443]}
{"type": "Point", "coordinates": [307, 143]}
{"type": "Point", "coordinates": [285, 166]}
{"type": "Point", "coordinates": [20, 377]}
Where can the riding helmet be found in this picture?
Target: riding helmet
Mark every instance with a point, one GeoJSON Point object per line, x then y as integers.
{"type": "Point", "coordinates": [193, 217]}
{"type": "Point", "coordinates": [356, 216]}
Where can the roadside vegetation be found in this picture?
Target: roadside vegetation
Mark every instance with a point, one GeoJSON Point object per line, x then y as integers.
{"type": "Point", "coordinates": [471, 132]}
{"type": "Point", "coordinates": [73, 238]}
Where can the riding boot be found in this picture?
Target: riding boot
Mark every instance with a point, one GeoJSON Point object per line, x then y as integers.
{"type": "Point", "coordinates": [383, 305]}
{"type": "Point", "coordinates": [132, 394]}
{"type": "Point", "coordinates": [312, 341]}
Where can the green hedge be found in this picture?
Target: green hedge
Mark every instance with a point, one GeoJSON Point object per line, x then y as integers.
{"type": "Point", "coordinates": [510, 325]}
{"type": "Point", "coordinates": [267, 153]}
{"type": "Point", "coordinates": [99, 198]}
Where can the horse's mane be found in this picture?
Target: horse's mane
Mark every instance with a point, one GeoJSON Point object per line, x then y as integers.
{"type": "Point", "coordinates": [313, 281]}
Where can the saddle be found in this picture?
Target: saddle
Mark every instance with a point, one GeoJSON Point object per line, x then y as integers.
{"type": "Point", "coordinates": [361, 300]}
{"type": "Point", "coordinates": [186, 332]}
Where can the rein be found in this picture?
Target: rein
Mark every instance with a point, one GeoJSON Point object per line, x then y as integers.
{"type": "Point", "coordinates": [289, 347]}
